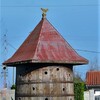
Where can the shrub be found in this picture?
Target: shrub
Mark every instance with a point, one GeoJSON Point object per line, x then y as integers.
{"type": "Point", "coordinates": [79, 90]}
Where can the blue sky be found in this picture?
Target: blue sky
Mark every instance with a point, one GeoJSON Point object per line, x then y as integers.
{"type": "Point", "coordinates": [76, 20]}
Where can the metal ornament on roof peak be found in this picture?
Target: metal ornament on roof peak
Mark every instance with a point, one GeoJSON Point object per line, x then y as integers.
{"type": "Point", "coordinates": [44, 12]}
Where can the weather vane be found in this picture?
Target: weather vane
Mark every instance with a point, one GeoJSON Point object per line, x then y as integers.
{"type": "Point", "coordinates": [44, 12]}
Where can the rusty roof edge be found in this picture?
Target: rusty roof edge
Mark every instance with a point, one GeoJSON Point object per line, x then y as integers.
{"type": "Point", "coordinates": [18, 62]}
{"type": "Point", "coordinates": [36, 61]}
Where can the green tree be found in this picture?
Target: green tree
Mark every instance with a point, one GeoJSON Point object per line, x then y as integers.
{"type": "Point", "coordinates": [79, 87]}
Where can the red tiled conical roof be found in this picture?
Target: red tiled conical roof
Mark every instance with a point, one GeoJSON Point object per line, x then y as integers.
{"type": "Point", "coordinates": [45, 44]}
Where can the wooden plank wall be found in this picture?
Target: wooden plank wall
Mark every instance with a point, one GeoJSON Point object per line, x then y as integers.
{"type": "Point", "coordinates": [47, 83]}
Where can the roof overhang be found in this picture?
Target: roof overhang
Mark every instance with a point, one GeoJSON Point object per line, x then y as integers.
{"type": "Point", "coordinates": [36, 61]}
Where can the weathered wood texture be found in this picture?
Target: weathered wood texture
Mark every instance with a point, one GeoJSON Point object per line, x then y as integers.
{"type": "Point", "coordinates": [47, 83]}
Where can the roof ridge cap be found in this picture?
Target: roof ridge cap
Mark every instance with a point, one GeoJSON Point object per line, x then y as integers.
{"type": "Point", "coordinates": [38, 38]}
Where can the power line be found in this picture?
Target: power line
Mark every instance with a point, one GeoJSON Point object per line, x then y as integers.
{"type": "Point", "coordinates": [88, 5]}
{"type": "Point", "coordinates": [12, 46]}
{"type": "Point", "coordinates": [87, 51]}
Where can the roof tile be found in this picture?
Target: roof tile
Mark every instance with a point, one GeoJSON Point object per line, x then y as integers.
{"type": "Point", "coordinates": [92, 78]}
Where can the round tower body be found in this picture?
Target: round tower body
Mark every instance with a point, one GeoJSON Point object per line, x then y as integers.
{"type": "Point", "coordinates": [45, 83]}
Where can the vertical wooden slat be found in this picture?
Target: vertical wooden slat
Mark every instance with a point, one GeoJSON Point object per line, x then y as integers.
{"type": "Point", "coordinates": [34, 98]}
{"type": "Point", "coordinates": [37, 75]}
{"type": "Point", "coordinates": [45, 75]}
{"type": "Point", "coordinates": [33, 89]}
{"type": "Point", "coordinates": [40, 75]}
{"type": "Point", "coordinates": [61, 74]}
{"type": "Point", "coordinates": [51, 89]}
{"type": "Point", "coordinates": [34, 76]}
{"type": "Point", "coordinates": [41, 89]}
{"type": "Point", "coordinates": [46, 89]}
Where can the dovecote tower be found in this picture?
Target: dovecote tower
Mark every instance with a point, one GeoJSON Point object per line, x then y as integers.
{"type": "Point", "coordinates": [44, 64]}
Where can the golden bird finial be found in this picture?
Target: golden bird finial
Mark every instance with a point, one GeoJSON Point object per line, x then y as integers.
{"type": "Point", "coordinates": [44, 12]}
